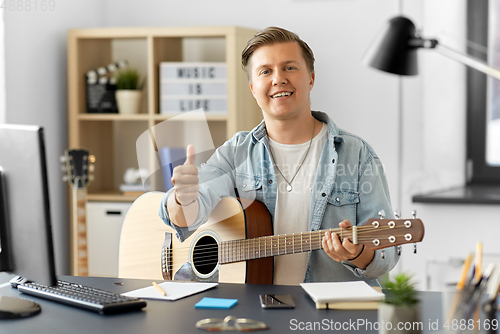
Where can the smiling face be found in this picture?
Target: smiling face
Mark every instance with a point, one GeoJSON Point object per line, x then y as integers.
{"type": "Point", "coordinates": [280, 81]}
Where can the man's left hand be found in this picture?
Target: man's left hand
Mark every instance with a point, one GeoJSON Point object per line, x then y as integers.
{"type": "Point", "coordinates": [341, 250]}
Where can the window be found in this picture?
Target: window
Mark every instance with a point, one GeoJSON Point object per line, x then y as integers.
{"type": "Point", "coordinates": [483, 93]}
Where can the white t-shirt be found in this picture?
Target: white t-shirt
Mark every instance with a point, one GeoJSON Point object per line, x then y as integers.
{"type": "Point", "coordinates": [292, 208]}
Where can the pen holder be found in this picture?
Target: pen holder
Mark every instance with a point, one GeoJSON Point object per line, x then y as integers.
{"type": "Point", "coordinates": [490, 308]}
{"type": "Point", "coordinates": [461, 305]}
{"type": "Point", "coordinates": [450, 300]}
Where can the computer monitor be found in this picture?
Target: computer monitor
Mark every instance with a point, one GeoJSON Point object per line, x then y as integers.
{"type": "Point", "coordinates": [26, 247]}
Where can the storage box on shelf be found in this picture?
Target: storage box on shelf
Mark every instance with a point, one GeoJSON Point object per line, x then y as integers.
{"type": "Point", "coordinates": [104, 226]}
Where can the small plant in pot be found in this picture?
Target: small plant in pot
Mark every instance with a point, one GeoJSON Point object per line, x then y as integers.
{"type": "Point", "coordinates": [128, 91]}
{"type": "Point", "coordinates": [401, 306]}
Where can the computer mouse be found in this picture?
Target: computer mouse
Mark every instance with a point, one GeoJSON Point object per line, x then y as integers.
{"type": "Point", "coordinates": [14, 307]}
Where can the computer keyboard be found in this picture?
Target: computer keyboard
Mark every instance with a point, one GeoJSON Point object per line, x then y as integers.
{"type": "Point", "coordinates": [81, 296]}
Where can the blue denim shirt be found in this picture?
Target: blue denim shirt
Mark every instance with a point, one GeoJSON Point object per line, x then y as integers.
{"type": "Point", "coordinates": [349, 184]}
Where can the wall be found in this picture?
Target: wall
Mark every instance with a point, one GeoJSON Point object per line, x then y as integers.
{"type": "Point", "coordinates": [36, 77]}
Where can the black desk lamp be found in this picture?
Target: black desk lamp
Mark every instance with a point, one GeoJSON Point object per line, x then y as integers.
{"type": "Point", "coordinates": [395, 51]}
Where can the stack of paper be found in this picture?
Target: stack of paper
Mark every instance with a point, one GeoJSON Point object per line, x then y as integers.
{"type": "Point", "coordinates": [344, 295]}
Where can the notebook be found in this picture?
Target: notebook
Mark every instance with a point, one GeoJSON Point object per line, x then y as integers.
{"type": "Point", "coordinates": [343, 295]}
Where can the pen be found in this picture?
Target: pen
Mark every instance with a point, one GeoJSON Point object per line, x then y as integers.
{"type": "Point", "coordinates": [159, 289]}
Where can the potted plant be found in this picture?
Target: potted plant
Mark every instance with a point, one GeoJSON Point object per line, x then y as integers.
{"type": "Point", "coordinates": [401, 306]}
{"type": "Point", "coordinates": [128, 91]}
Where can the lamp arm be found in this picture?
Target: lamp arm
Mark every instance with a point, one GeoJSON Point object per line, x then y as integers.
{"type": "Point", "coordinates": [468, 60]}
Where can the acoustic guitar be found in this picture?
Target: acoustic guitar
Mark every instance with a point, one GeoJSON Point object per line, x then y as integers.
{"type": "Point", "coordinates": [77, 163]}
{"type": "Point", "coordinates": [238, 249]}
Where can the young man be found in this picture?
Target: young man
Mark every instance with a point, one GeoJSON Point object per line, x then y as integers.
{"type": "Point", "coordinates": [310, 174]}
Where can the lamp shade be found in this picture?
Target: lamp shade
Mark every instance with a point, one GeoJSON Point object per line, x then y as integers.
{"type": "Point", "coordinates": [392, 50]}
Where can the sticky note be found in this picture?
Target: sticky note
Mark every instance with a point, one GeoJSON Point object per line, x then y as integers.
{"type": "Point", "coordinates": [220, 303]}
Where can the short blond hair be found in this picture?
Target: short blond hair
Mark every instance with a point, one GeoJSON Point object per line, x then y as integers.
{"type": "Point", "coordinates": [273, 35]}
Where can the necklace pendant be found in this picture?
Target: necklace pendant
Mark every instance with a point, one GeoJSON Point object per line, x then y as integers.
{"type": "Point", "coordinates": [289, 188]}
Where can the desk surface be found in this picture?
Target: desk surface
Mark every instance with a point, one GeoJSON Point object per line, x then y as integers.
{"type": "Point", "coordinates": [181, 316]}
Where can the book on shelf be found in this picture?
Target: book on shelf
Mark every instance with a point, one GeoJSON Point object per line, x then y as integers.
{"type": "Point", "coordinates": [171, 157]}
{"type": "Point", "coordinates": [134, 189]}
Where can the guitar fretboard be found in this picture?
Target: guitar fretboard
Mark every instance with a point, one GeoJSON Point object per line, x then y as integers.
{"type": "Point", "coordinates": [80, 234]}
{"type": "Point", "coordinates": [242, 250]}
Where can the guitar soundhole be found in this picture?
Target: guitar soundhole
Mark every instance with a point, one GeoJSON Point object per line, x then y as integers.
{"type": "Point", "coordinates": [205, 255]}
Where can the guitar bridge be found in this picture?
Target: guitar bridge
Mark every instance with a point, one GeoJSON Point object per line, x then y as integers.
{"type": "Point", "coordinates": [166, 257]}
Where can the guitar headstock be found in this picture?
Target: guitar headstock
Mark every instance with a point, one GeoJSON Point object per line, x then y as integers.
{"type": "Point", "coordinates": [78, 165]}
{"type": "Point", "coordinates": [378, 233]}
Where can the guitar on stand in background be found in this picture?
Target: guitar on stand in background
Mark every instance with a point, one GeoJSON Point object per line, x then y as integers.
{"type": "Point", "coordinates": [78, 165]}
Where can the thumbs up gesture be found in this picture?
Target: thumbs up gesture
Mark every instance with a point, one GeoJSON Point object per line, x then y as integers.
{"type": "Point", "coordinates": [185, 179]}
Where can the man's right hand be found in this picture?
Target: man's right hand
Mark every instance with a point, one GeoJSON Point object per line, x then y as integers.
{"type": "Point", "coordinates": [185, 180]}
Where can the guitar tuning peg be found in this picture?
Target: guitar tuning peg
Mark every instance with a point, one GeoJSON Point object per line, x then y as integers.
{"type": "Point", "coordinates": [414, 214]}
{"type": "Point", "coordinates": [62, 159]}
{"type": "Point", "coordinates": [91, 177]}
{"type": "Point", "coordinates": [396, 214]}
{"type": "Point", "coordinates": [381, 214]}
{"type": "Point", "coordinates": [415, 248]}
{"type": "Point", "coordinates": [91, 168]}
{"type": "Point", "coordinates": [92, 158]}
{"type": "Point", "coordinates": [63, 168]}
{"type": "Point", "coordinates": [65, 178]}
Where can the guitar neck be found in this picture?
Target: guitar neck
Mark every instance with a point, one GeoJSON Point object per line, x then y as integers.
{"type": "Point", "coordinates": [374, 234]}
{"type": "Point", "coordinates": [249, 249]}
{"type": "Point", "coordinates": [80, 257]}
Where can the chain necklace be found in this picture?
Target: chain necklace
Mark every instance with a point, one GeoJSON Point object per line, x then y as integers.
{"type": "Point", "coordinates": [289, 187]}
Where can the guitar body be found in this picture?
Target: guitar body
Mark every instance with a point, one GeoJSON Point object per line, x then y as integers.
{"type": "Point", "coordinates": [143, 233]}
{"type": "Point", "coordinates": [189, 263]}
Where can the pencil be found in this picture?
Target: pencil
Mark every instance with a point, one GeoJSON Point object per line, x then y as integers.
{"type": "Point", "coordinates": [479, 259]}
{"type": "Point", "coordinates": [460, 286]}
{"type": "Point", "coordinates": [465, 269]}
{"type": "Point", "coordinates": [159, 289]}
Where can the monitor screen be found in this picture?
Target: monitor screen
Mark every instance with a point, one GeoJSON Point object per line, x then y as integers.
{"type": "Point", "coordinates": [26, 247]}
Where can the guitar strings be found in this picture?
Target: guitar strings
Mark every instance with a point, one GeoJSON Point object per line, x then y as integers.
{"type": "Point", "coordinates": [211, 260]}
{"type": "Point", "coordinates": [246, 248]}
{"type": "Point", "coordinates": [242, 250]}
{"type": "Point", "coordinates": [244, 253]}
{"type": "Point", "coordinates": [306, 236]}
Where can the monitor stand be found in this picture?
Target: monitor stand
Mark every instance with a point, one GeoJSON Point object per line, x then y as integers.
{"type": "Point", "coordinates": [14, 308]}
